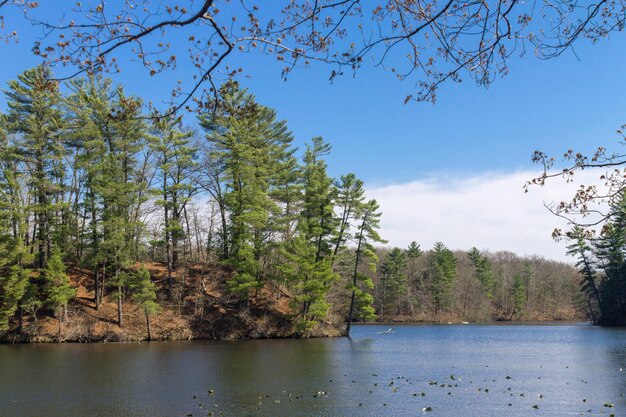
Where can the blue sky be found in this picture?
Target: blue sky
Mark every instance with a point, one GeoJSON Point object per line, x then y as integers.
{"type": "Point", "coordinates": [471, 132]}
{"type": "Point", "coordinates": [542, 104]}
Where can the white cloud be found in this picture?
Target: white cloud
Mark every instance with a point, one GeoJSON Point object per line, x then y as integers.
{"type": "Point", "coordinates": [489, 211]}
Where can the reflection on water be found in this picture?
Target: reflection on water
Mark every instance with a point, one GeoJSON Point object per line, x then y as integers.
{"type": "Point", "coordinates": [454, 370]}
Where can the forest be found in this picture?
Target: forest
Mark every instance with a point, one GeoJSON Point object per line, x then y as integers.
{"type": "Point", "coordinates": [110, 212]}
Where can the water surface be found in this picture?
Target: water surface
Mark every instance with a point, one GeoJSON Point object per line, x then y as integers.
{"type": "Point", "coordinates": [453, 370]}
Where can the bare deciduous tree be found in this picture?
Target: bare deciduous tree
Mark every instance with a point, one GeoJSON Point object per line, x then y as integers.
{"type": "Point", "coordinates": [427, 41]}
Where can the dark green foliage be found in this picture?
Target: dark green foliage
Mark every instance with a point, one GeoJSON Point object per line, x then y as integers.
{"type": "Point", "coordinates": [143, 292]}
{"type": "Point", "coordinates": [308, 254]}
{"type": "Point", "coordinates": [254, 149]}
{"type": "Point", "coordinates": [586, 266]}
{"type": "Point", "coordinates": [365, 256]}
{"type": "Point", "coordinates": [519, 295]}
{"type": "Point", "coordinates": [394, 279]}
{"type": "Point", "coordinates": [484, 273]}
{"type": "Point", "coordinates": [442, 273]}
{"type": "Point", "coordinates": [35, 119]}
{"type": "Point", "coordinates": [413, 251]}
{"type": "Point", "coordinates": [14, 280]}
{"type": "Point", "coordinates": [57, 289]}
{"type": "Point", "coordinates": [350, 196]}
{"type": "Point", "coordinates": [603, 267]}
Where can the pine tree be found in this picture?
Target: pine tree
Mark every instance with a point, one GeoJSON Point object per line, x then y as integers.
{"type": "Point", "coordinates": [308, 255]}
{"type": "Point", "coordinates": [121, 190]}
{"type": "Point", "coordinates": [367, 234]}
{"type": "Point", "coordinates": [519, 295]}
{"type": "Point", "coordinates": [14, 280]}
{"type": "Point", "coordinates": [176, 165]}
{"type": "Point", "coordinates": [318, 197]}
{"type": "Point", "coordinates": [442, 275]}
{"type": "Point", "coordinates": [602, 265]}
{"type": "Point", "coordinates": [484, 273]}
{"type": "Point", "coordinates": [58, 290]}
{"type": "Point", "coordinates": [12, 214]}
{"type": "Point", "coordinates": [90, 128]}
{"type": "Point", "coordinates": [394, 280]}
{"type": "Point", "coordinates": [254, 148]}
{"type": "Point", "coordinates": [609, 251]}
{"type": "Point", "coordinates": [413, 251]}
{"type": "Point", "coordinates": [586, 266]}
{"type": "Point", "coordinates": [350, 196]}
{"type": "Point", "coordinates": [143, 293]}
{"type": "Point", "coordinates": [308, 279]}
{"type": "Point", "coordinates": [34, 115]}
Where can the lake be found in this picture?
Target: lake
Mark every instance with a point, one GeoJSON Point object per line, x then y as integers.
{"type": "Point", "coordinates": [434, 370]}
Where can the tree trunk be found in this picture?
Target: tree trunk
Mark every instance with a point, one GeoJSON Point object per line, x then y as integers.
{"type": "Point", "coordinates": [384, 298]}
{"type": "Point", "coordinates": [168, 243]}
{"type": "Point", "coordinates": [59, 319]}
{"type": "Point", "coordinates": [20, 319]}
{"type": "Point", "coordinates": [342, 228]}
{"type": "Point", "coordinates": [94, 246]}
{"type": "Point", "coordinates": [102, 284]}
{"type": "Point", "coordinates": [148, 326]}
{"type": "Point", "coordinates": [189, 244]}
{"type": "Point", "coordinates": [177, 225]}
{"type": "Point", "coordinates": [225, 251]}
{"type": "Point", "coordinates": [120, 314]}
{"type": "Point", "coordinates": [96, 280]}
{"type": "Point", "coordinates": [591, 312]}
{"type": "Point", "coordinates": [354, 280]}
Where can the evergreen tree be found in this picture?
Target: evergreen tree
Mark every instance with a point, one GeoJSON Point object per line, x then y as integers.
{"type": "Point", "coordinates": [12, 214]}
{"type": "Point", "coordinates": [14, 280]}
{"type": "Point", "coordinates": [394, 279]}
{"type": "Point", "coordinates": [609, 251]}
{"type": "Point", "coordinates": [176, 165]}
{"type": "Point", "coordinates": [413, 251]}
{"type": "Point", "coordinates": [318, 204]}
{"type": "Point", "coordinates": [484, 273]}
{"type": "Point", "coordinates": [361, 300]}
{"type": "Point", "coordinates": [143, 293]}
{"type": "Point", "coordinates": [90, 129]}
{"type": "Point", "coordinates": [519, 295]}
{"type": "Point", "coordinates": [36, 119]}
{"type": "Point", "coordinates": [58, 290]}
{"type": "Point", "coordinates": [586, 266]}
{"type": "Point", "coordinates": [120, 190]}
{"type": "Point", "coordinates": [255, 149]}
{"type": "Point", "coordinates": [442, 275]}
{"type": "Point", "coordinates": [308, 258]}
{"type": "Point", "coordinates": [350, 197]}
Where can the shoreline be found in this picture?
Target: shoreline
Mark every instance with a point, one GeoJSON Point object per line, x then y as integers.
{"type": "Point", "coordinates": [326, 332]}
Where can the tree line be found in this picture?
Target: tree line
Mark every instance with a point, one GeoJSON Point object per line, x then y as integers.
{"type": "Point", "coordinates": [444, 285]}
{"type": "Point", "coordinates": [88, 180]}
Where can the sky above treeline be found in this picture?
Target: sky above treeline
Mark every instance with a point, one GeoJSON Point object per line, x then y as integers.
{"type": "Point", "coordinates": [452, 171]}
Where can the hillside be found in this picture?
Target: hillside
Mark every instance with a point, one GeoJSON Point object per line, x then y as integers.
{"type": "Point", "coordinates": [199, 309]}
